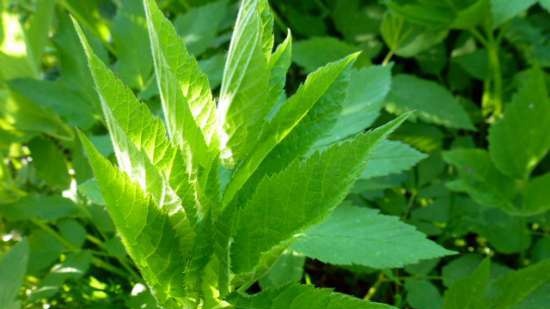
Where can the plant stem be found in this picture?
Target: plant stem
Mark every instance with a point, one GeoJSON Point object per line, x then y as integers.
{"type": "Point", "coordinates": [374, 288]}
{"type": "Point", "coordinates": [388, 57]}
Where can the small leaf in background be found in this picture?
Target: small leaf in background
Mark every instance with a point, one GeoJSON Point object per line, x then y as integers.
{"type": "Point", "coordinates": [389, 157]}
{"type": "Point", "coordinates": [431, 101]}
{"type": "Point", "coordinates": [519, 140]}
{"type": "Point", "coordinates": [199, 26]}
{"type": "Point", "coordinates": [406, 39]}
{"type": "Point", "coordinates": [316, 52]}
{"type": "Point", "coordinates": [43, 207]}
{"type": "Point", "coordinates": [368, 87]}
{"type": "Point", "coordinates": [422, 294]}
{"type": "Point", "coordinates": [50, 163]}
{"type": "Point", "coordinates": [469, 292]}
{"type": "Point", "coordinates": [536, 198]}
{"type": "Point", "coordinates": [361, 236]}
{"type": "Point", "coordinates": [130, 40]}
{"type": "Point", "coordinates": [480, 178]}
{"type": "Point", "coordinates": [289, 268]}
{"type": "Point", "coordinates": [504, 10]}
{"type": "Point", "coordinates": [13, 266]}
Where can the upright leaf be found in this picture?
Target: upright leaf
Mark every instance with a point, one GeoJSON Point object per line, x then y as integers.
{"type": "Point", "coordinates": [474, 286]}
{"type": "Point", "coordinates": [189, 109]}
{"type": "Point", "coordinates": [242, 109]}
{"type": "Point", "coordinates": [145, 230]}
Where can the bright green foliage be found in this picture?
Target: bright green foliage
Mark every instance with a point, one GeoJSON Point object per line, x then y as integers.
{"type": "Point", "coordinates": [362, 236]}
{"type": "Point", "coordinates": [195, 199]}
{"type": "Point", "coordinates": [431, 102]}
{"type": "Point", "coordinates": [520, 139]}
{"type": "Point", "coordinates": [13, 266]}
{"type": "Point", "coordinates": [297, 297]}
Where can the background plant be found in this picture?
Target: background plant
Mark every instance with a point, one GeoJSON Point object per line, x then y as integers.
{"type": "Point", "coordinates": [474, 72]}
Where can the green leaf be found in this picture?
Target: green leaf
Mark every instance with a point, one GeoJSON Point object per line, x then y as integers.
{"type": "Point", "coordinates": [300, 297]}
{"type": "Point", "coordinates": [74, 267]}
{"type": "Point", "coordinates": [520, 139]}
{"type": "Point", "coordinates": [242, 108]}
{"type": "Point", "coordinates": [480, 178]}
{"type": "Point", "coordinates": [67, 103]}
{"type": "Point", "coordinates": [422, 294]}
{"type": "Point", "coordinates": [306, 191]}
{"type": "Point", "coordinates": [504, 10]}
{"type": "Point", "coordinates": [545, 4]}
{"type": "Point", "coordinates": [288, 120]}
{"type": "Point", "coordinates": [145, 230]}
{"type": "Point", "coordinates": [517, 287]}
{"type": "Point", "coordinates": [361, 236]}
{"type": "Point", "coordinates": [199, 26]}
{"type": "Point", "coordinates": [49, 162]}
{"type": "Point", "coordinates": [189, 110]}
{"type": "Point", "coordinates": [390, 157]}
{"type": "Point", "coordinates": [39, 28]}
{"type": "Point", "coordinates": [469, 292]}
{"type": "Point", "coordinates": [536, 198]}
{"type": "Point", "coordinates": [406, 39]}
{"type": "Point", "coordinates": [13, 267]}
{"type": "Point", "coordinates": [289, 268]}
{"type": "Point", "coordinates": [129, 32]}
{"type": "Point", "coordinates": [34, 206]}
{"type": "Point", "coordinates": [315, 52]}
{"type": "Point", "coordinates": [432, 102]}
{"type": "Point", "coordinates": [365, 96]}
{"type": "Point", "coordinates": [16, 58]}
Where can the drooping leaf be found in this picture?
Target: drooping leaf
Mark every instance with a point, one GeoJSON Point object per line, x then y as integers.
{"type": "Point", "coordinates": [300, 195]}
{"type": "Point", "coordinates": [389, 157]}
{"type": "Point", "coordinates": [432, 102]}
{"type": "Point", "coordinates": [520, 139]}
{"type": "Point", "coordinates": [361, 236]}
{"type": "Point", "coordinates": [301, 297]}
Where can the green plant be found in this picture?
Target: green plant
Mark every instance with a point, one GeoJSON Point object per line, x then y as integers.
{"type": "Point", "coordinates": [223, 189]}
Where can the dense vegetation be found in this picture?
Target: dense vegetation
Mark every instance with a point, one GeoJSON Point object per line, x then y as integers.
{"type": "Point", "coordinates": [291, 154]}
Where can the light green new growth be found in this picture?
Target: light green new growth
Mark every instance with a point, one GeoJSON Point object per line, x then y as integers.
{"type": "Point", "coordinates": [206, 201]}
